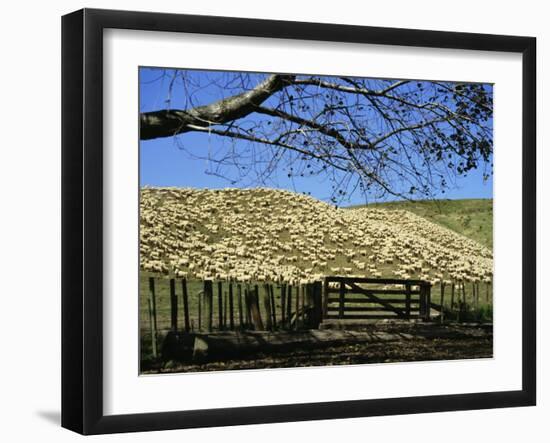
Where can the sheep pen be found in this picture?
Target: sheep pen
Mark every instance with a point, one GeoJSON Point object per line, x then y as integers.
{"type": "Point", "coordinates": [271, 246]}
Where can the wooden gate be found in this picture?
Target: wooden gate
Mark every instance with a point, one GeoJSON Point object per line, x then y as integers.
{"type": "Point", "coordinates": [370, 298]}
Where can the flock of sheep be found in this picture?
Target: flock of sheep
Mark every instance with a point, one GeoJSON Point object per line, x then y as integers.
{"type": "Point", "coordinates": [280, 236]}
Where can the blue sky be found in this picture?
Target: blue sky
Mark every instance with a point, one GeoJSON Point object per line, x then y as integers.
{"type": "Point", "coordinates": [170, 161]}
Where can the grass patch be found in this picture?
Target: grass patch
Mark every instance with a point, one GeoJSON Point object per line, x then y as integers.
{"type": "Point", "coordinates": [472, 218]}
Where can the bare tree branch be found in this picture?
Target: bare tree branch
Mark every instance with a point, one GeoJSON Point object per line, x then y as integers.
{"type": "Point", "coordinates": [387, 137]}
{"type": "Point", "coordinates": [167, 123]}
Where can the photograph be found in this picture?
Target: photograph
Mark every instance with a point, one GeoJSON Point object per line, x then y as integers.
{"type": "Point", "coordinates": [272, 218]}
{"type": "Point", "coordinates": [296, 220]}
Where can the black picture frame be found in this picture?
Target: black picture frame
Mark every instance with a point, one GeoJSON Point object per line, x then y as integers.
{"type": "Point", "coordinates": [82, 240]}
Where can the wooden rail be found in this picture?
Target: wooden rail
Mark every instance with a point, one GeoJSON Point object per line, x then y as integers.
{"type": "Point", "coordinates": [231, 305]}
{"type": "Point", "coordinates": [208, 307]}
{"type": "Point", "coordinates": [356, 300]}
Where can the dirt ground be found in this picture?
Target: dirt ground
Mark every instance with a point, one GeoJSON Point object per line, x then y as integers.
{"type": "Point", "coordinates": [429, 342]}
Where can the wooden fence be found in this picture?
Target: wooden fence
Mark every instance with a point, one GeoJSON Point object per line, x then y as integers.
{"type": "Point", "coordinates": [456, 299]}
{"type": "Point", "coordinates": [181, 306]}
{"type": "Point", "coordinates": [220, 306]}
{"type": "Point", "coordinates": [367, 298]}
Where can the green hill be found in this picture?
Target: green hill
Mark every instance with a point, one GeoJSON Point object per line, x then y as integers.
{"type": "Point", "coordinates": [472, 218]}
{"type": "Point", "coordinates": [273, 235]}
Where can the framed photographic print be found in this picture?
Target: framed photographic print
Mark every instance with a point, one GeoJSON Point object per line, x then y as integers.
{"type": "Point", "coordinates": [270, 221]}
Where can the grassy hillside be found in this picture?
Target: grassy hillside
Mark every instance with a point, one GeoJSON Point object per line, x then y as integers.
{"type": "Point", "coordinates": [263, 235]}
{"type": "Point", "coordinates": [472, 218]}
{"type": "Point", "coordinates": [274, 235]}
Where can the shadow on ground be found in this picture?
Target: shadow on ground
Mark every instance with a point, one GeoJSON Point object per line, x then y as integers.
{"type": "Point", "coordinates": [54, 417]}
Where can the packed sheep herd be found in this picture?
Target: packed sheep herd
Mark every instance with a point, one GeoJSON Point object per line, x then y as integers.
{"type": "Point", "coordinates": [268, 235]}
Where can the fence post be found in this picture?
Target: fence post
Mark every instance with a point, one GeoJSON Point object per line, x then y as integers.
{"type": "Point", "coordinates": [441, 301]}
{"type": "Point", "coordinates": [153, 315]}
{"type": "Point", "coordinates": [220, 305]}
{"type": "Point", "coordinates": [201, 298]}
{"type": "Point", "coordinates": [325, 298]}
{"type": "Point", "coordinates": [247, 307]}
{"type": "Point", "coordinates": [452, 296]}
{"type": "Point", "coordinates": [185, 305]}
{"type": "Point", "coordinates": [283, 305]}
{"type": "Point", "coordinates": [208, 295]}
{"type": "Point", "coordinates": [425, 289]}
{"type": "Point", "coordinates": [342, 299]}
{"type": "Point", "coordinates": [231, 319]}
{"type": "Point", "coordinates": [429, 297]}
{"type": "Point", "coordinates": [317, 309]}
{"type": "Point", "coordinates": [253, 297]}
{"type": "Point", "coordinates": [460, 303]}
{"type": "Point", "coordinates": [225, 304]}
{"type": "Point", "coordinates": [298, 287]}
{"type": "Point", "coordinates": [273, 307]}
{"type": "Point", "coordinates": [240, 303]}
{"type": "Point", "coordinates": [267, 308]}
{"type": "Point", "coordinates": [289, 305]}
{"type": "Point", "coordinates": [173, 306]}
{"type": "Point", "coordinates": [408, 300]}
